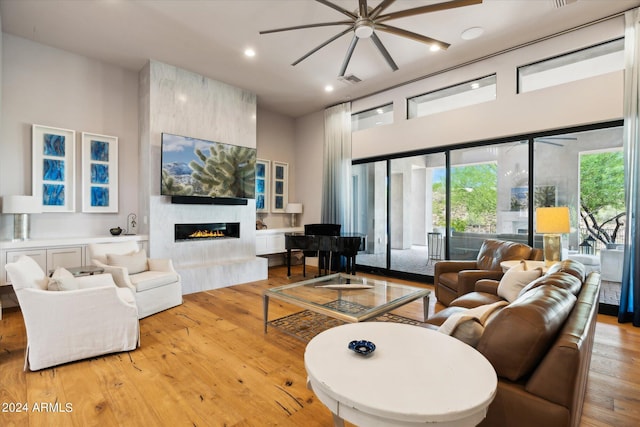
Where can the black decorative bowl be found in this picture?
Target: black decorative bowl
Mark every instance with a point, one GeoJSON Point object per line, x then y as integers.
{"type": "Point", "coordinates": [362, 347]}
{"type": "Point", "coordinates": [115, 231]}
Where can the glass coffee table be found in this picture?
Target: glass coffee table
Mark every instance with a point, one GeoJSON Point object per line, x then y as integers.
{"type": "Point", "coordinates": [345, 297]}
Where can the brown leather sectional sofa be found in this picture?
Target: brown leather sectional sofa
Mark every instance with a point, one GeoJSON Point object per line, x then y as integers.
{"type": "Point", "coordinates": [540, 346]}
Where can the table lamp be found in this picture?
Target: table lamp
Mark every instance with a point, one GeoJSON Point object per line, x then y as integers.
{"type": "Point", "coordinates": [21, 207]}
{"type": "Point", "coordinates": [551, 222]}
{"type": "Point", "coordinates": [293, 209]}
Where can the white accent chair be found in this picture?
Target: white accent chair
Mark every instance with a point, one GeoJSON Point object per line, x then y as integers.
{"type": "Point", "coordinates": [155, 283]}
{"type": "Point", "coordinates": [93, 319]}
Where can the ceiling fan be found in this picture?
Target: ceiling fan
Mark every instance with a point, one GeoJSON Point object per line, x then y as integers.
{"type": "Point", "coordinates": [366, 21]}
{"type": "Point", "coordinates": [551, 140]}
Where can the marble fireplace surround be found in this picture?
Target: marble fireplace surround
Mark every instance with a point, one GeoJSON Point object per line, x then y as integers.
{"type": "Point", "coordinates": [206, 264]}
{"type": "Point", "coordinates": [181, 102]}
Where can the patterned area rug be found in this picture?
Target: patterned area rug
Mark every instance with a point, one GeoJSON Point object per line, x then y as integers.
{"type": "Point", "coordinates": [306, 324]}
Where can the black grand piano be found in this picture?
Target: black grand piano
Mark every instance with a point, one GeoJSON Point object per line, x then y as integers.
{"type": "Point", "coordinates": [327, 243]}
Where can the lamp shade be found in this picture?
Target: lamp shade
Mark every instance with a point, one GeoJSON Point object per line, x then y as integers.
{"type": "Point", "coordinates": [294, 208]}
{"type": "Point", "coordinates": [552, 220]}
{"type": "Point", "coordinates": [21, 205]}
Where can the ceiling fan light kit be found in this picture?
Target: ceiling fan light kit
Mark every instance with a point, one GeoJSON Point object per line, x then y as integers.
{"type": "Point", "coordinates": [365, 21]}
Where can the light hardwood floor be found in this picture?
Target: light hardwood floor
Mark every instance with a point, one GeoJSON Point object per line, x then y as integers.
{"type": "Point", "coordinates": [208, 363]}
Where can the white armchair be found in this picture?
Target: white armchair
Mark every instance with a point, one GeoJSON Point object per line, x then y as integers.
{"type": "Point", "coordinates": [154, 282]}
{"type": "Point", "coordinates": [93, 319]}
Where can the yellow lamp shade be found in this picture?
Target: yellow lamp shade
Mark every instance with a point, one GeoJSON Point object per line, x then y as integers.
{"type": "Point", "coordinates": [552, 220]}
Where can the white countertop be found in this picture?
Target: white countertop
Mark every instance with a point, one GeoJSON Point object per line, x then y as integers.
{"type": "Point", "coordinates": [280, 230]}
{"type": "Point", "coordinates": [68, 241]}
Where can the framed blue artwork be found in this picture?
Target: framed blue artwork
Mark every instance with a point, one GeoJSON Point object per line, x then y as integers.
{"type": "Point", "coordinates": [280, 186]}
{"type": "Point", "coordinates": [53, 168]}
{"type": "Point", "coordinates": [99, 173]}
{"type": "Point", "coordinates": [262, 185]}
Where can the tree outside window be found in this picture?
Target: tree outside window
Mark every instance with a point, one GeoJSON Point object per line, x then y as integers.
{"type": "Point", "coordinates": [602, 203]}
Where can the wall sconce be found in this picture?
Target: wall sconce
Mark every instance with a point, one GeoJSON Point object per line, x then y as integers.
{"type": "Point", "coordinates": [21, 207]}
{"type": "Point", "coordinates": [552, 222]}
{"type": "Point", "coordinates": [293, 209]}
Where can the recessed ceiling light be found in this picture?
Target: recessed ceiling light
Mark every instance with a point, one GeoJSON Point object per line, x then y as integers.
{"type": "Point", "coordinates": [434, 48]}
{"type": "Point", "coordinates": [472, 33]}
{"type": "Point", "coordinates": [249, 53]}
{"type": "Point", "coordinates": [328, 88]}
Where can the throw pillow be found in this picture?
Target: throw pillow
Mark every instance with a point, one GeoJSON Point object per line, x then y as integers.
{"type": "Point", "coordinates": [515, 279]}
{"type": "Point", "coordinates": [135, 262]}
{"type": "Point", "coordinates": [62, 280]}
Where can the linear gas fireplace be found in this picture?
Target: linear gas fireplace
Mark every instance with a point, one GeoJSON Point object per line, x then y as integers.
{"type": "Point", "coordinates": [207, 231]}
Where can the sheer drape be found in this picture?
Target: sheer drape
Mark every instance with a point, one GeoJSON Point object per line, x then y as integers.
{"type": "Point", "coordinates": [336, 188]}
{"type": "Point", "coordinates": [630, 295]}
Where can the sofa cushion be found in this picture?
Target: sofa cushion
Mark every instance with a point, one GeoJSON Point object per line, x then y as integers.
{"type": "Point", "coordinates": [570, 266]}
{"type": "Point", "coordinates": [450, 280]}
{"type": "Point", "coordinates": [560, 280]}
{"type": "Point", "coordinates": [475, 299]}
{"type": "Point", "coordinates": [62, 280]}
{"type": "Point", "coordinates": [515, 279]}
{"type": "Point", "coordinates": [493, 252]}
{"type": "Point", "coordinates": [519, 335]}
{"type": "Point", "coordinates": [135, 262]}
{"type": "Point", "coordinates": [152, 279]}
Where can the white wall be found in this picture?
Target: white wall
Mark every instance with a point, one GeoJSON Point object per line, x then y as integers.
{"type": "Point", "coordinates": [51, 87]}
{"type": "Point", "coordinates": [586, 101]}
{"type": "Point", "coordinates": [309, 136]}
{"type": "Point", "coordinates": [276, 142]}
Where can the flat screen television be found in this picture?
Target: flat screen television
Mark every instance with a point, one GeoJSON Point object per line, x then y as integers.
{"type": "Point", "coordinates": [196, 167]}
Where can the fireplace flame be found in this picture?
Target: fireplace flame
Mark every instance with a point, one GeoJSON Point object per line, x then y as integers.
{"type": "Point", "coordinates": [207, 233]}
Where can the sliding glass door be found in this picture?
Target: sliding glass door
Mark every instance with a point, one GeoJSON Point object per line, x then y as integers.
{"type": "Point", "coordinates": [416, 216]}
{"type": "Point", "coordinates": [585, 171]}
{"type": "Point", "coordinates": [489, 194]}
{"type": "Point", "coordinates": [418, 209]}
{"type": "Point", "coordinates": [399, 205]}
{"type": "Point", "coordinates": [369, 182]}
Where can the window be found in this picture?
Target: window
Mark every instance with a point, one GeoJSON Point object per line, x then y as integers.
{"type": "Point", "coordinates": [593, 61]}
{"type": "Point", "coordinates": [450, 98]}
{"type": "Point", "coordinates": [371, 118]}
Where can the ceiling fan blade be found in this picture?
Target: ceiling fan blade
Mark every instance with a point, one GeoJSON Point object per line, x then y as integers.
{"type": "Point", "coordinates": [543, 141]}
{"type": "Point", "coordinates": [363, 9]}
{"type": "Point", "coordinates": [562, 138]}
{"type": "Point", "coordinates": [380, 8]}
{"type": "Point", "coordinates": [338, 8]}
{"type": "Point", "coordinates": [337, 36]}
{"type": "Point", "coordinates": [384, 51]}
{"type": "Point", "coordinates": [412, 35]}
{"type": "Point", "coordinates": [347, 57]}
{"type": "Point", "coordinates": [299, 27]}
{"type": "Point", "coordinates": [426, 9]}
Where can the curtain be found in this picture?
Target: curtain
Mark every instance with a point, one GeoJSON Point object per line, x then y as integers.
{"type": "Point", "coordinates": [336, 189]}
{"type": "Point", "coordinates": [630, 294]}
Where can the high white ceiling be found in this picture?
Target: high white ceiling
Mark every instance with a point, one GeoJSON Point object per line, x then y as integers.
{"type": "Point", "coordinates": [209, 37]}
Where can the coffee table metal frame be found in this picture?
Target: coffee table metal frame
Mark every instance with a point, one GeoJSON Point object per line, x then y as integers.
{"type": "Point", "coordinates": [287, 293]}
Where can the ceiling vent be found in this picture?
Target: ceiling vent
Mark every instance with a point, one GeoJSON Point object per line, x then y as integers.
{"type": "Point", "coordinates": [561, 3]}
{"type": "Point", "coordinates": [350, 79]}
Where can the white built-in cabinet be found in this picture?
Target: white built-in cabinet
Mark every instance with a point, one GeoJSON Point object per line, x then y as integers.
{"type": "Point", "coordinates": [48, 258]}
{"type": "Point", "coordinates": [271, 241]}
{"type": "Point", "coordinates": [53, 253]}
